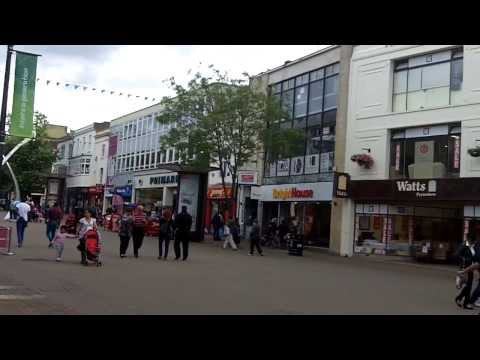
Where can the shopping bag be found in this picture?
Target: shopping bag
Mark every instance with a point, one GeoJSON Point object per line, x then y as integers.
{"type": "Point", "coordinates": [7, 217]}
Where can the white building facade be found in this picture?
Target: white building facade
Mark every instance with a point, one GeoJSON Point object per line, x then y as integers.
{"type": "Point", "coordinates": [413, 114]}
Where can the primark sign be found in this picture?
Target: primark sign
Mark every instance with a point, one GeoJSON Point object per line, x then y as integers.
{"type": "Point", "coordinates": [418, 187]}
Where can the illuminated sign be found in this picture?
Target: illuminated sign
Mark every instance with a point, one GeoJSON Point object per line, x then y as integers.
{"type": "Point", "coordinates": [292, 193]}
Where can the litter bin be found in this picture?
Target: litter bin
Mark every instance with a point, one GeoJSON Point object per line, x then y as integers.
{"type": "Point", "coordinates": [295, 246]}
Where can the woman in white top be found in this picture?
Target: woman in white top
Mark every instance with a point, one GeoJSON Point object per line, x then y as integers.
{"type": "Point", "coordinates": [86, 223]}
{"type": "Point", "coordinates": [227, 234]}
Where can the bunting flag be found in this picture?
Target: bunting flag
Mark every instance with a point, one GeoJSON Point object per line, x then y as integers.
{"type": "Point", "coordinates": [103, 91]}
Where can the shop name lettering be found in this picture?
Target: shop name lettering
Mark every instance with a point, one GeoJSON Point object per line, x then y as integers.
{"type": "Point", "coordinates": [292, 193]}
{"type": "Point", "coordinates": [420, 188]}
{"type": "Point", "coordinates": [163, 180]}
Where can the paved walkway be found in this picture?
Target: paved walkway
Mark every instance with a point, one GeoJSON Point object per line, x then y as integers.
{"type": "Point", "coordinates": [217, 281]}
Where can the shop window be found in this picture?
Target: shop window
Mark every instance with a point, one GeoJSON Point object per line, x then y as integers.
{"type": "Point", "coordinates": [315, 103]}
{"type": "Point", "coordinates": [426, 157]}
{"type": "Point", "coordinates": [301, 96]}
{"type": "Point", "coordinates": [314, 140]}
{"type": "Point", "coordinates": [287, 102]}
{"type": "Point", "coordinates": [300, 123]}
{"type": "Point", "coordinates": [331, 91]}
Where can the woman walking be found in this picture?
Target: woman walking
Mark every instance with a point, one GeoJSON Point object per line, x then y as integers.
{"type": "Point", "coordinates": [138, 232]}
{"type": "Point", "coordinates": [164, 235]}
{"type": "Point", "coordinates": [227, 234]}
{"type": "Point", "coordinates": [85, 224]}
{"type": "Point", "coordinates": [125, 231]}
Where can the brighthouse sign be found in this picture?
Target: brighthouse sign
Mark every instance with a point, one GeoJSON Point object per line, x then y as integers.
{"type": "Point", "coordinates": [292, 193]}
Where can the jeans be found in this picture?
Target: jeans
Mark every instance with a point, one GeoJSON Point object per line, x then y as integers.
{"type": "Point", "coordinates": [255, 242]}
{"type": "Point", "coordinates": [59, 248]}
{"type": "Point", "coordinates": [21, 225]}
{"type": "Point", "coordinates": [51, 229]}
{"type": "Point", "coordinates": [163, 239]}
{"type": "Point", "coordinates": [465, 293]}
{"type": "Point", "coordinates": [124, 240]}
{"type": "Point", "coordinates": [183, 238]}
{"type": "Point", "coordinates": [138, 234]}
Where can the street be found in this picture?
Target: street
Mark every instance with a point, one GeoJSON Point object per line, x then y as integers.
{"type": "Point", "coordinates": [216, 281]}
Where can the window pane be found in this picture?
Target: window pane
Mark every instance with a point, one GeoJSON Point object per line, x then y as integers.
{"type": "Point", "coordinates": [277, 88]}
{"type": "Point", "coordinates": [331, 90]}
{"type": "Point", "coordinates": [315, 120]}
{"type": "Point", "coordinates": [314, 137]}
{"type": "Point", "coordinates": [328, 142]}
{"type": "Point", "coordinates": [415, 100]}
{"type": "Point", "coordinates": [301, 95]}
{"type": "Point", "coordinates": [300, 122]}
{"type": "Point", "coordinates": [437, 97]}
{"type": "Point", "coordinates": [301, 80]}
{"type": "Point", "coordinates": [436, 76]}
{"type": "Point", "coordinates": [317, 75]}
{"type": "Point", "coordinates": [286, 125]}
{"type": "Point", "coordinates": [400, 82]}
{"type": "Point", "coordinates": [330, 118]}
{"type": "Point", "coordinates": [326, 161]}
{"type": "Point", "coordinates": [396, 159]}
{"type": "Point", "coordinates": [288, 84]}
{"type": "Point", "coordinates": [414, 79]}
{"type": "Point", "coordinates": [400, 102]}
{"type": "Point", "coordinates": [457, 75]}
{"type": "Point", "coordinates": [316, 97]}
{"type": "Point", "coordinates": [329, 70]}
{"type": "Point", "coordinates": [287, 102]}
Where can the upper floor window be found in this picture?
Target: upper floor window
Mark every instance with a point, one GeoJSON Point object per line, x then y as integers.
{"type": "Point", "coordinates": [104, 146]}
{"type": "Point", "coordinates": [426, 152]}
{"type": "Point", "coordinates": [428, 81]}
{"type": "Point", "coordinates": [61, 153]}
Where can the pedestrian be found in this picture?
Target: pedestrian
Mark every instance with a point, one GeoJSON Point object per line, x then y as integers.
{"type": "Point", "coordinates": [13, 210]}
{"type": "Point", "coordinates": [255, 238]}
{"type": "Point", "coordinates": [54, 218]}
{"type": "Point", "coordinates": [466, 254]}
{"type": "Point", "coordinates": [235, 230]}
{"type": "Point", "coordinates": [23, 209]}
{"type": "Point", "coordinates": [138, 232]}
{"type": "Point", "coordinates": [59, 241]}
{"type": "Point", "coordinates": [85, 224]}
{"type": "Point", "coordinates": [227, 235]}
{"type": "Point", "coordinates": [164, 235]}
{"type": "Point", "coordinates": [125, 231]}
{"type": "Point", "coordinates": [182, 224]}
{"type": "Point", "coordinates": [217, 223]}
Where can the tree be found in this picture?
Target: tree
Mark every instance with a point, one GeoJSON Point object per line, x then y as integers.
{"type": "Point", "coordinates": [32, 162]}
{"type": "Point", "coordinates": [223, 122]}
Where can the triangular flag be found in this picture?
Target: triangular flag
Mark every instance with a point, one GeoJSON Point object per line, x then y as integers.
{"type": "Point", "coordinates": [121, 94]}
{"type": "Point", "coordinates": [137, 96]}
{"type": "Point", "coordinates": [58, 83]}
{"type": "Point", "coordinates": [103, 91]}
{"type": "Point", "coordinates": [67, 85]}
{"type": "Point", "coordinates": [48, 82]}
{"type": "Point", "coordinates": [111, 92]}
{"type": "Point", "coordinates": [146, 98]}
{"type": "Point", "coordinates": [94, 89]}
{"type": "Point", "coordinates": [85, 88]}
{"type": "Point", "coordinates": [38, 79]}
{"type": "Point", "coordinates": [129, 95]}
{"type": "Point", "coordinates": [77, 86]}
{"type": "Point", "coordinates": [153, 99]}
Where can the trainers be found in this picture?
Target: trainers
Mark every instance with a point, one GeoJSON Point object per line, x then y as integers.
{"type": "Point", "coordinates": [59, 259]}
{"type": "Point", "coordinates": [50, 245]}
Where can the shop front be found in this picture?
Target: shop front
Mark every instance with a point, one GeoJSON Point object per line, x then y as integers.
{"type": "Point", "coordinates": [424, 218]}
{"type": "Point", "coordinates": [219, 200]}
{"type": "Point", "coordinates": [95, 196]}
{"type": "Point", "coordinates": [310, 203]}
{"type": "Point", "coordinates": [125, 192]}
{"type": "Point", "coordinates": [156, 191]}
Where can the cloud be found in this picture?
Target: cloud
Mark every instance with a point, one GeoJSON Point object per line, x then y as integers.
{"type": "Point", "coordinates": [134, 69]}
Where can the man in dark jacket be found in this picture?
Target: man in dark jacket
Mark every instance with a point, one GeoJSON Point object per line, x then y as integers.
{"type": "Point", "coordinates": [217, 223]}
{"type": "Point", "coordinates": [183, 224]}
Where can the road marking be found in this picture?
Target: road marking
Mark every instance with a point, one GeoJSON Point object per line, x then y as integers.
{"type": "Point", "coordinates": [21, 297]}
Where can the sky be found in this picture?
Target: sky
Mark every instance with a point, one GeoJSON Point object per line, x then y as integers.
{"type": "Point", "coordinates": [131, 69]}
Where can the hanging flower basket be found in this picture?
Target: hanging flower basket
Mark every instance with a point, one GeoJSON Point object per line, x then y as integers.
{"type": "Point", "coordinates": [363, 160]}
{"type": "Point", "coordinates": [474, 152]}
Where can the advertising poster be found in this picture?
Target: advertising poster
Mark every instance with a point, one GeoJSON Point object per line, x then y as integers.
{"type": "Point", "coordinates": [283, 167]}
{"type": "Point", "coordinates": [312, 164]}
{"type": "Point", "coordinates": [297, 165]}
{"type": "Point", "coordinates": [188, 196]}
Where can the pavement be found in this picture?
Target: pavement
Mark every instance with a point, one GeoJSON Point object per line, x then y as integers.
{"type": "Point", "coordinates": [218, 281]}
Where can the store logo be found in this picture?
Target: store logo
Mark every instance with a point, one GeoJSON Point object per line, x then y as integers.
{"type": "Point", "coordinates": [292, 193]}
{"type": "Point", "coordinates": [421, 188]}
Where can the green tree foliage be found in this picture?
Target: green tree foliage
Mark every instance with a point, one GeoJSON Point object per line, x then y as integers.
{"type": "Point", "coordinates": [223, 122]}
{"type": "Point", "coordinates": [32, 162]}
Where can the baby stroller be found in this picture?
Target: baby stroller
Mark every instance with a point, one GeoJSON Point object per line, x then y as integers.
{"type": "Point", "coordinates": [92, 247]}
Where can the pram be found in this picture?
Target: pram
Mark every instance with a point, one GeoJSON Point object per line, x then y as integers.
{"type": "Point", "coordinates": [92, 247]}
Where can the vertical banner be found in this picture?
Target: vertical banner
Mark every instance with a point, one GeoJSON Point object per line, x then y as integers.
{"type": "Point", "coordinates": [23, 95]}
{"type": "Point", "coordinates": [188, 196]}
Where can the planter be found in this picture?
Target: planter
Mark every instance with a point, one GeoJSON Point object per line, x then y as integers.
{"type": "Point", "coordinates": [363, 160]}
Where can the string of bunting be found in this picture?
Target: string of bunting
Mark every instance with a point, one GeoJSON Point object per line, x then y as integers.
{"type": "Point", "coordinates": [97, 90]}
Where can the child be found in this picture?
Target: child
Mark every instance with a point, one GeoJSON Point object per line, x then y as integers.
{"type": "Point", "coordinates": [59, 241]}
{"type": "Point", "coordinates": [227, 234]}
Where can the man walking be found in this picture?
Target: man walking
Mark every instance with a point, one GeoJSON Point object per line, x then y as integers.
{"type": "Point", "coordinates": [255, 239]}
{"type": "Point", "coordinates": [217, 223]}
{"type": "Point", "coordinates": [54, 218]}
{"type": "Point", "coordinates": [183, 223]}
{"type": "Point", "coordinates": [23, 209]}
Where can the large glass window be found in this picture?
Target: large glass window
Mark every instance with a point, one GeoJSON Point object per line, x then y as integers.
{"type": "Point", "coordinates": [415, 154]}
{"type": "Point", "coordinates": [428, 81]}
{"type": "Point", "coordinates": [311, 100]}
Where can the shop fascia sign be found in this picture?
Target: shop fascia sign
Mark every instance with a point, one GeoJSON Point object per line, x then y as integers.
{"type": "Point", "coordinates": [420, 188]}
{"type": "Point", "coordinates": [165, 179]}
{"type": "Point", "coordinates": [247, 177]}
{"type": "Point", "coordinates": [292, 193]}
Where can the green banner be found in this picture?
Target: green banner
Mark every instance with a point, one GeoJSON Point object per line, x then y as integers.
{"type": "Point", "coordinates": [23, 95]}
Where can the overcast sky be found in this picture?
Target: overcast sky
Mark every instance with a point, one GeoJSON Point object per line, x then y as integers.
{"type": "Point", "coordinates": [136, 70]}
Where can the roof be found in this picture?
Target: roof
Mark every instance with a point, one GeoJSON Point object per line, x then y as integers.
{"type": "Point", "coordinates": [303, 58]}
